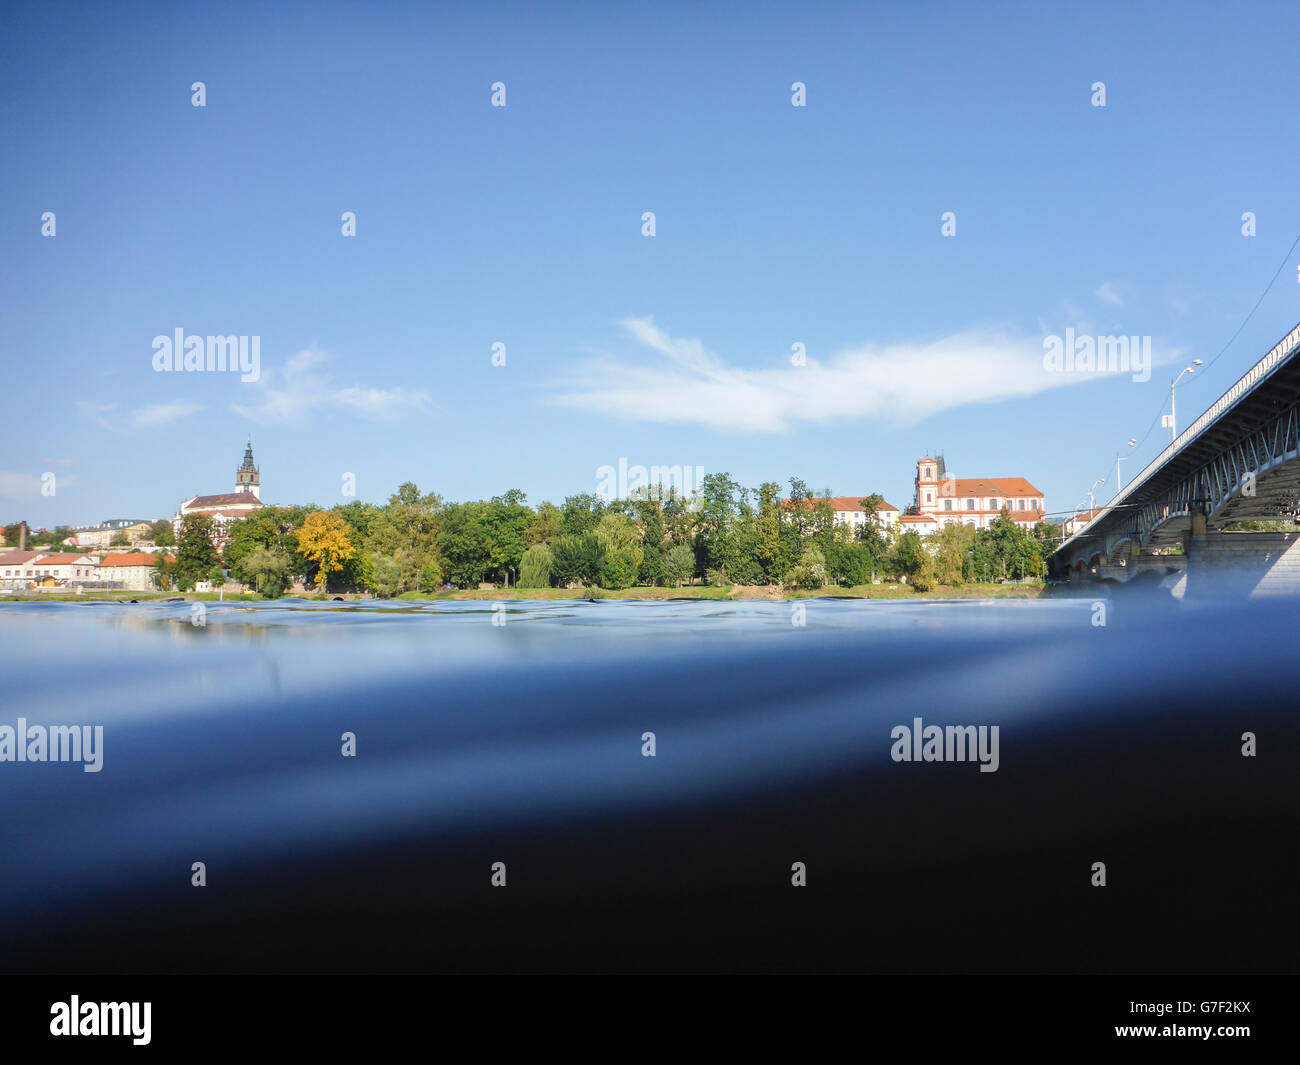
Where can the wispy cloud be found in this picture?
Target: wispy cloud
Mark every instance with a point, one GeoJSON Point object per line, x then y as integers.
{"type": "Point", "coordinates": [157, 414]}
{"type": "Point", "coordinates": [300, 388]}
{"type": "Point", "coordinates": [901, 382]}
{"type": "Point", "coordinates": [1110, 292]}
{"type": "Point", "coordinates": [150, 416]}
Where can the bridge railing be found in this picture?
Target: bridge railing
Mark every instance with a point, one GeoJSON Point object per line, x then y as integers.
{"type": "Point", "coordinates": [1278, 354]}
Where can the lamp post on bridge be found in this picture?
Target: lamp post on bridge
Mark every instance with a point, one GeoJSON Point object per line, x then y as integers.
{"type": "Point", "coordinates": [1171, 419]}
{"type": "Point", "coordinates": [1119, 457]}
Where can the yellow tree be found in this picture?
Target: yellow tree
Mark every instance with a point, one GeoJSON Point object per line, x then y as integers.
{"type": "Point", "coordinates": [325, 539]}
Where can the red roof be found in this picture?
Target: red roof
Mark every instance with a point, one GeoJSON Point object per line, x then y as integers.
{"type": "Point", "coordinates": [19, 558]}
{"type": "Point", "coordinates": [840, 503]}
{"type": "Point", "coordinates": [136, 558]}
{"type": "Point", "coordinates": [855, 503]}
{"type": "Point", "coordinates": [987, 486]}
{"type": "Point", "coordinates": [64, 560]}
{"type": "Point", "coordinates": [225, 499]}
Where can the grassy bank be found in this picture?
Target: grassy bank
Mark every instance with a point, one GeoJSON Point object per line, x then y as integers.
{"type": "Point", "coordinates": [727, 592]}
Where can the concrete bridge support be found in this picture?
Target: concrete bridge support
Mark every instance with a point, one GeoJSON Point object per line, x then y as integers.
{"type": "Point", "coordinates": [1243, 564]}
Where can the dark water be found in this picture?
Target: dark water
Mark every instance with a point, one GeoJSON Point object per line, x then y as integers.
{"type": "Point", "coordinates": [521, 743]}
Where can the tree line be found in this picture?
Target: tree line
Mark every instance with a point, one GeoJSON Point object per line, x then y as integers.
{"type": "Point", "coordinates": [725, 534]}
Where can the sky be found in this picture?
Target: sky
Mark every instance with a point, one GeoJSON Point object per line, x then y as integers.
{"type": "Point", "coordinates": [522, 225]}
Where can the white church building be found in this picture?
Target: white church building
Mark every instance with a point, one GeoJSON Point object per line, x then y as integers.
{"type": "Point", "coordinates": [227, 507]}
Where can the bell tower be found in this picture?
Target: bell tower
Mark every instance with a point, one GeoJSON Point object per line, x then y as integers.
{"type": "Point", "coordinates": [247, 478]}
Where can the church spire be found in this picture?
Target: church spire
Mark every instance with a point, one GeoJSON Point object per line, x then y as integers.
{"type": "Point", "coordinates": [247, 478]}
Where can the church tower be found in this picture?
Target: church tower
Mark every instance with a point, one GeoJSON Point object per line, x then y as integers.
{"type": "Point", "coordinates": [246, 477]}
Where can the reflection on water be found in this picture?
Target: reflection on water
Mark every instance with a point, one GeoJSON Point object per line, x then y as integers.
{"type": "Point", "coordinates": [222, 740]}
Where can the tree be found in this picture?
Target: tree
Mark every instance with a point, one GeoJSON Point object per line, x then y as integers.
{"type": "Point", "coordinates": [576, 560]}
{"type": "Point", "coordinates": [947, 558]}
{"type": "Point", "coordinates": [545, 527]}
{"type": "Point", "coordinates": [267, 570]}
{"type": "Point", "coordinates": [1004, 550]}
{"type": "Point", "coordinates": [120, 539]}
{"type": "Point", "coordinates": [162, 534]}
{"type": "Point", "coordinates": [430, 576]}
{"type": "Point", "coordinates": [768, 547]}
{"type": "Point", "coordinates": [195, 555]}
{"type": "Point", "coordinates": [909, 553]}
{"type": "Point", "coordinates": [217, 577]}
{"type": "Point", "coordinates": [325, 540]}
{"type": "Point", "coordinates": [535, 569]}
{"type": "Point", "coordinates": [679, 565]}
{"type": "Point", "coordinates": [580, 514]}
{"type": "Point", "coordinates": [621, 554]}
{"type": "Point", "coordinates": [385, 576]}
{"type": "Point", "coordinates": [162, 572]}
{"type": "Point", "coordinates": [810, 572]}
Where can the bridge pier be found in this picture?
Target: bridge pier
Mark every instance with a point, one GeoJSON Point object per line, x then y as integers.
{"type": "Point", "coordinates": [1243, 564]}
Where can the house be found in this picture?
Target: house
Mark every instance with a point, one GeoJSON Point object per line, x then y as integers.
{"type": "Point", "coordinates": [16, 569]}
{"type": "Point", "coordinates": [849, 511]}
{"type": "Point", "coordinates": [103, 534]}
{"type": "Point", "coordinates": [1073, 524]}
{"type": "Point", "coordinates": [52, 571]}
{"type": "Point", "coordinates": [132, 570]}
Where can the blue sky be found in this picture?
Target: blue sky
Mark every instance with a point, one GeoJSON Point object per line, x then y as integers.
{"type": "Point", "coordinates": [775, 225]}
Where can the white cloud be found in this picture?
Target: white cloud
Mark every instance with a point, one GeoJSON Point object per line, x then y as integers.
{"type": "Point", "coordinates": [300, 388]}
{"type": "Point", "coordinates": [150, 416]}
{"type": "Point", "coordinates": [902, 382]}
{"type": "Point", "coordinates": [156, 414]}
{"type": "Point", "coordinates": [1109, 292]}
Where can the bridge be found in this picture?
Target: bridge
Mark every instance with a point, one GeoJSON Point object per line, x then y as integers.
{"type": "Point", "coordinates": [1239, 461]}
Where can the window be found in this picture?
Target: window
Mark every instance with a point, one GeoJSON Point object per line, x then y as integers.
{"type": "Point", "coordinates": [929, 497]}
{"type": "Point", "coordinates": [993, 503]}
{"type": "Point", "coordinates": [947, 504]}
{"type": "Point", "coordinates": [1021, 503]}
{"type": "Point", "coordinates": [970, 504]}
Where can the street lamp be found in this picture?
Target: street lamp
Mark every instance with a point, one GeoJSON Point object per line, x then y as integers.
{"type": "Point", "coordinates": [1092, 502]}
{"type": "Point", "coordinates": [1171, 420]}
{"type": "Point", "coordinates": [1119, 485]}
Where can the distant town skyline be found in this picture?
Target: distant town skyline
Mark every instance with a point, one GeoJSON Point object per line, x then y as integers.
{"type": "Point", "coordinates": [834, 287]}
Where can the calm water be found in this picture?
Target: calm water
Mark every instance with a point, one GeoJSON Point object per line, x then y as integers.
{"type": "Point", "coordinates": [522, 742]}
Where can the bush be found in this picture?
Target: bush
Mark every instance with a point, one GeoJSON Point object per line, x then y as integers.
{"type": "Point", "coordinates": [430, 576]}
{"type": "Point", "coordinates": [810, 571]}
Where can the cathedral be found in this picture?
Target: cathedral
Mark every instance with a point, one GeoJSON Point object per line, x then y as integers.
{"type": "Point", "coordinates": [227, 507]}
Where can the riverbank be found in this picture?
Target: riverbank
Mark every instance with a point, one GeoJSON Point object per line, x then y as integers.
{"type": "Point", "coordinates": [723, 592]}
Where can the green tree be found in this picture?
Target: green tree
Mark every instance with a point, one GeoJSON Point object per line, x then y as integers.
{"type": "Point", "coordinates": [162, 534]}
{"type": "Point", "coordinates": [577, 560]}
{"type": "Point", "coordinates": [620, 543]}
{"type": "Point", "coordinates": [1005, 551]}
{"type": "Point", "coordinates": [679, 565]}
{"type": "Point", "coordinates": [195, 555]}
{"type": "Point", "coordinates": [430, 576]}
{"type": "Point", "coordinates": [908, 555]}
{"type": "Point", "coordinates": [267, 570]}
{"type": "Point", "coordinates": [535, 568]}
{"type": "Point", "coordinates": [810, 571]}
